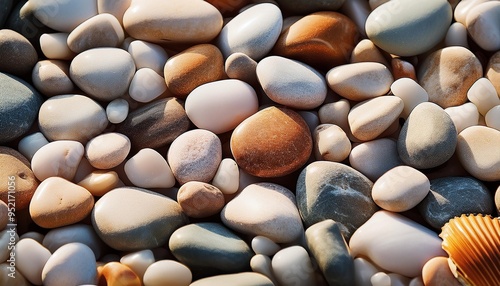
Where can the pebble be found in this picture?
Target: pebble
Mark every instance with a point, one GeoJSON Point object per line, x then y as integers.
{"type": "Point", "coordinates": [328, 190]}
{"type": "Point", "coordinates": [5, 279]}
{"type": "Point", "coordinates": [410, 92]}
{"type": "Point", "coordinates": [36, 236]}
{"type": "Point", "coordinates": [81, 233]}
{"type": "Point", "coordinates": [492, 118]}
{"type": "Point", "coordinates": [17, 53]}
{"type": "Point", "coordinates": [358, 11]}
{"type": "Point", "coordinates": [327, 245]}
{"type": "Point", "coordinates": [107, 150]}
{"type": "Point", "coordinates": [19, 104]}
{"type": "Point", "coordinates": [400, 189]}
{"type": "Point", "coordinates": [146, 85]}
{"type": "Point", "coordinates": [478, 153]}
{"type": "Point", "coordinates": [100, 182]}
{"type": "Point", "coordinates": [102, 30]}
{"type": "Point", "coordinates": [226, 179]}
{"type": "Point", "coordinates": [4, 214]}
{"type": "Point", "coordinates": [448, 73]}
{"type": "Point", "coordinates": [63, 16]}
{"type": "Point", "coordinates": [463, 116]}
{"type": "Point", "coordinates": [253, 32]}
{"type": "Point", "coordinates": [484, 17]}
{"type": "Point", "coordinates": [154, 219]}
{"type": "Point", "coordinates": [360, 81]}
{"type": "Point", "coordinates": [8, 237]}
{"type": "Point", "coordinates": [148, 55]}
{"type": "Point", "coordinates": [87, 68]}
{"type": "Point", "coordinates": [264, 209]}
{"type": "Point", "coordinates": [31, 257]}
{"type": "Point", "coordinates": [117, 110]}
{"type": "Point", "coordinates": [219, 106]}
{"type": "Point", "coordinates": [370, 118]}
{"type": "Point", "coordinates": [72, 264]}
{"type": "Point", "coordinates": [18, 180]}
{"type": "Point", "coordinates": [492, 71]}
{"type": "Point", "coordinates": [193, 67]}
{"type": "Point", "coordinates": [167, 273]}
{"type": "Point", "coordinates": [51, 77]}
{"type": "Point", "coordinates": [428, 137]}
{"type": "Point", "coordinates": [29, 144]}
{"type": "Point", "coordinates": [264, 246]}
{"type": "Point", "coordinates": [263, 264]}
{"type": "Point", "coordinates": [54, 46]}
{"type": "Point", "coordinates": [402, 69]}
{"type": "Point", "coordinates": [437, 272]}
{"type": "Point", "coordinates": [456, 35]}
{"type": "Point", "coordinates": [407, 28]}
{"type": "Point", "coordinates": [209, 248]}
{"type": "Point", "coordinates": [115, 8]}
{"type": "Point", "coordinates": [241, 66]}
{"type": "Point", "coordinates": [329, 44]}
{"type": "Point", "coordinates": [370, 241]}
{"type": "Point", "coordinates": [199, 200]}
{"type": "Point", "coordinates": [293, 265]}
{"type": "Point", "coordinates": [58, 202]}
{"type": "Point", "coordinates": [363, 271]}
{"type": "Point", "coordinates": [366, 51]}
{"type": "Point", "coordinates": [57, 159]}
{"type": "Point", "coordinates": [155, 124]}
{"type": "Point", "coordinates": [149, 169]}
{"type": "Point", "coordinates": [331, 143]}
{"type": "Point", "coordinates": [463, 8]}
{"type": "Point", "coordinates": [139, 261]}
{"type": "Point", "coordinates": [483, 94]}
{"type": "Point", "coordinates": [175, 22]}
{"type": "Point", "coordinates": [335, 113]}
{"type": "Point", "coordinates": [271, 143]}
{"type": "Point", "coordinates": [71, 117]}
{"type": "Point", "coordinates": [291, 83]}
{"type": "Point", "coordinates": [241, 279]}
{"type": "Point", "coordinates": [115, 273]}
{"type": "Point", "coordinates": [374, 158]}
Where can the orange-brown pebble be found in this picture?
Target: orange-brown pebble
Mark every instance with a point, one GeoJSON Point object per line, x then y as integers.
{"type": "Point", "coordinates": [322, 39]}
{"type": "Point", "coordinates": [271, 143]}
{"type": "Point", "coordinates": [436, 272]}
{"type": "Point", "coordinates": [198, 199]}
{"type": "Point", "coordinates": [117, 274]}
{"type": "Point", "coordinates": [193, 67]}
{"type": "Point", "coordinates": [402, 68]}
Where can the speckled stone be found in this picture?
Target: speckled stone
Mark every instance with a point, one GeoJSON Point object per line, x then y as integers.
{"type": "Point", "coordinates": [436, 272]}
{"type": "Point", "coordinates": [271, 143]}
{"type": "Point", "coordinates": [242, 279]}
{"type": "Point", "coordinates": [329, 190]}
{"type": "Point", "coordinates": [102, 30]}
{"type": "Point", "coordinates": [452, 196]}
{"type": "Point", "coordinates": [107, 150]}
{"type": "Point", "coordinates": [199, 199]}
{"type": "Point", "coordinates": [17, 53]}
{"type": "Point", "coordinates": [51, 77]}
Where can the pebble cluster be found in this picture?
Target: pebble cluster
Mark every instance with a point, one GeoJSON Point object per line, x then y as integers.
{"type": "Point", "coordinates": [244, 142]}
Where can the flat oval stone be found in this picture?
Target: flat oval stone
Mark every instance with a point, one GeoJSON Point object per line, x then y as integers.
{"type": "Point", "coordinates": [195, 156]}
{"type": "Point", "coordinates": [437, 271]}
{"type": "Point", "coordinates": [167, 272]}
{"type": "Point", "coordinates": [360, 81]}
{"type": "Point", "coordinates": [374, 158]}
{"type": "Point", "coordinates": [102, 30]}
{"type": "Point", "coordinates": [71, 117]}
{"type": "Point", "coordinates": [155, 218]}
{"type": "Point", "coordinates": [271, 143]}
{"type": "Point", "coordinates": [149, 169]}
{"type": "Point", "coordinates": [329, 44]}
{"type": "Point", "coordinates": [331, 143]}
{"type": "Point", "coordinates": [17, 53]}
{"type": "Point", "coordinates": [252, 32]}
{"type": "Point", "coordinates": [428, 137]}
{"type": "Point", "coordinates": [199, 200]}
{"type": "Point", "coordinates": [220, 106]}
{"type": "Point", "coordinates": [19, 104]}
{"type": "Point", "coordinates": [82, 233]}
{"type": "Point", "coordinates": [227, 176]}
{"type": "Point", "coordinates": [209, 248]}
{"type": "Point", "coordinates": [146, 85]}
{"type": "Point", "coordinates": [492, 71]}
{"type": "Point", "coordinates": [115, 273]}
{"type": "Point", "coordinates": [139, 261]}
{"type": "Point", "coordinates": [148, 55]}
{"type": "Point", "coordinates": [410, 92]}
{"type": "Point", "coordinates": [448, 73]}
{"type": "Point", "coordinates": [463, 116]}
{"type": "Point", "coordinates": [107, 150]}
{"type": "Point", "coordinates": [72, 264]}
{"type": "Point", "coordinates": [100, 182]}
{"type": "Point", "coordinates": [58, 202]}
{"type": "Point", "coordinates": [155, 124]}
{"type": "Point", "coordinates": [88, 67]}
{"type": "Point", "coordinates": [31, 257]}
{"type": "Point", "coordinates": [63, 16]}
{"type": "Point", "coordinates": [264, 209]}
{"type": "Point", "coordinates": [479, 153]}
{"type": "Point", "coordinates": [329, 190]}
{"type": "Point", "coordinates": [242, 279]}
{"type": "Point", "coordinates": [57, 159]}
{"type": "Point", "coordinates": [174, 22]}
{"type": "Point", "coordinates": [483, 94]}
{"type": "Point", "coordinates": [241, 66]}
{"type": "Point", "coordinates": [51, 77]}
{"type": "Point", "coordinates": [400, 189]}
{"type": "Point", "coordinates": [408, 28]}
{"type": "Point", "coordinates": [485, 17]}
{"type": "Point", "coordinates": [291, 82]}
{"type": "Point", "coordinates": [54, 46]}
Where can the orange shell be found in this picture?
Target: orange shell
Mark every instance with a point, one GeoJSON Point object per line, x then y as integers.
{"type": "Point", "coordinates": [473, 245]}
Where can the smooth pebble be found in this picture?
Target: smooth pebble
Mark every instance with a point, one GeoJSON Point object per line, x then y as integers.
{"type": "Point", "coordinates": [31, 257]}
{"type": "Point", "coordinates": [485, 17]}
{"type": "Point", "coordinates": [263, 264]}
{"type": "Point", "coordinates": [199, 200]}
{"type": "Point", "coordinates": [265, 246]}
{"type": "Point", "coordinates": [331, 143]}
{"type": "Point", "coordinates": [492, 118]}
{"type": "Point", "coordinates": [483, 94]}
{"type": "Point", "coordinates": [51, 77]}
{"type": "Point", "coordinates": [138, 261]}
{"type": "Point", "coordinates": [293, 264]}
{"type": "Point", "coordinates": [374, 158]}
{"type": "Point", "coordinates": [241, 279]}
{"type": "Point", "coordinates": [335, 113]}
{"type": "Point", "coordinates": [492, 71]}
{"type": "Point", "coordinates": [366, 51]}
{"type": "Point", "coordinates": [17, 53]}
{"type": "Point", "coordinates": [54, 46]}
{"type": "Point", "coordinates": [102, 30]}
{"type": "Point", "coordinates": [241, 66]}
{"type": "Point", "coordinates": [113, 7]}
{"type": "Point", "coordinates": [437, 272]}
{"type": "Point", "coordinates": [117, 110]}
{"type": "Point", "coordinates": [456, 35]}
{"type": "Point", "coordinates": [410, 92]}
{"type": "Point", "coordinates": [57, 159]}
{"type": "Point", "coordinates": [167, 273]}
{"type": "Point", "coordinates": [29, 144]}
{"type": "Point", "coordinates": [227, 176]}
{"type": "Point", "coordinates": [115, 273]}
{"type": "Point", "coordinates": [149, 169]}
{"type": "Point", "coordinates": [107, 150]}
{"type": "Point", "coordinates": [148, 55]}
{"type": "Point", "coordinates": [463, 116]}
{"type": "Point", "coordinates": [63, 16]}
{"type": "Point", "coordinates": [146, 85]}
{"type": "Point", "coordinates": [82, 233]}
{"type": "Point", "coordinates": [100, 182]}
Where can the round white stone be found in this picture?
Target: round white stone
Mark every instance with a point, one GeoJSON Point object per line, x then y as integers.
{"type": "Point", "coordinates": [138, 261]}
{"type": "Point", "coordinates": [149, 169]}
{"type": "Point", "coordinates": [31, 257]}
{"type": "Point", "coordinates": [117, 110]}
{"type": "Point", "coordinates": [463, 116]}
{"type": "Point", "coordinates": [410, 92]}
{"type": "Point", "coordinates": [484, 95]}
{"type": "Point", "coordinates": [54, 46]}
{"type": "Point", "coordinates": [57, 159]}
{"type": "Point", "coordinates": [227, 177]}
{"type": "Point", "coordinates": [148, 55]}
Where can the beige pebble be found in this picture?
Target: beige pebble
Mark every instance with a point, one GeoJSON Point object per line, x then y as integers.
{"type": "Point", "coordinates": [492, 118]}
{"type": "Point", "coordinates": [481, 18]}
{"type": "Point", "coordinates": [374, 158]}
{"type": "Point", "coordinates": [54, 46]}
{"type": "Point", "coordinates": [293, 257]}
{"type": "Point", "coordinates": [199, 200]}
{"type": "Point", "coordinates": [117, 110]}
{"type": "Point", "coordinates": [148, 55]}
{"type": "Point", "coordinates": [463, 116]}
{"type": "Point", "coordinates": [138, 261]}
{"type": "Point", "coordinates": [146, 85]}
{"type": "Point", "coordinates": [149, 169]}
{"type": "Point", "coordinates": [107, 150]}
{"type": "Point", "coordinates": [265, 246]}
{"type": "Point", "coordinates": [331, 143]}
{"type": "Point", "coordinates": [51, 77]}
{"type": "Point", "coordinates": [363, 271]}
{"type": "Point", "coordinates": [227, 176]}
{"type": "Point", "coordinates": [114, 7]}
{"type": "Point", "coordinates": [79, 232]}
{"type": "Point", "coordinates": [436, 272]}
{"type": "Point", "coordinates": [241, 66]}
{"type": "Point", "coordinates": [31, 257]}
{"type": "Point", "coordinates": [263, 264]}
{"type": "Point", "coordinates": [100, 182]}
{"type": "Point", "coordinates": [335, 113]}
{"type": "Point", "coordinates": [366, 51]}
{"type": "Point", "coordinates": [167, 273]}
{"type": "Point", "coordinates": [493, 71]}
{"type": "Point", "coordinates": [483, 94]}
{"type": "Point", "coordinates": [57, 159]}
{"type": "Point", "coordinates": [463, 8]}
{"type": "Point", "coordinates": [63, 16]}
{"type": "Point", "coordinates": [102, 30]}
{"type": "Point", "coordinates": [410, 92]}
{"type": "Point", "coordinates": [456, 35]}
{"type": "Point", "coordinates": [29, 144]}
{"type": "Point", "coordinates": [4, 214]}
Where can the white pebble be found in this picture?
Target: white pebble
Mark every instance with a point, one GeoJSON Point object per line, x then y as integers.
{"type": "Point", "coordinates": [492, 118]}
{"type": "Point", "coordinates": [262, 264]}
{"type": "Point", "coordinates": [335, 113]}
{"type": "Point", "coordinates": [331, 143]}
{"type": "Point", "coordinates": [456, 35]}
{"type": "Point", "coordinates": [138, 261]}
{"type": "Point", "coordinates": [117, 110]}
{"type": "Point", "coordinates": [31, 257]}
{"type": "Point", "coordinates": [380, 279]}
{"type": "Point", "coordinates": [146, 85]}
{"type": "Point", "coordinates": [293, 264]}
{"type": "Point", "coordinates": [410, 92]}
{"type": "Point", "coordinates": [167, 273]}
{"type": "Point", "coordinates": [227, 177]}
{"type": "Point", "coordinates": [265, 246]}
{"type": "Point", "coordinates": [57, 159]}
{"type": "Point", "coordinates": [31, 143]}
{"type": "Point", "coordinates": [54, 46]}
{"type": "Point", "coordinates": [148, 55]}
{"type": "Point", "coordinates": [463, 116]}
{"type": "Point", "coordinates": [107, 150]}
{"type": "Point", "coordinates": [149, 169]}
{"type": "Point", "coordinates": [363, 271]}
{"type": "Point", "coordinates": [483, 94]}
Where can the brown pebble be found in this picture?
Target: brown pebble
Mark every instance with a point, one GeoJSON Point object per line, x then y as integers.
{"type": "Point", "coordinates": [402, 68]}
{"type": "Point", "coordinates": [198, 199]}
{"type": "Point", "coordinates": [117, 274]}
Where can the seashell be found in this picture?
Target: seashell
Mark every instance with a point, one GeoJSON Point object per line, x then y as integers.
{"type": "Point", "coordinates": [473, 245]}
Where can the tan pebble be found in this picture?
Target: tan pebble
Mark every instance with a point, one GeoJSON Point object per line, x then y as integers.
{"type": "Point", "coordinates": [366, 51]}
{"type": "Point", "coordinates": [149, 169]}
{"type": "Point", "coordinates": [262, 264]}
{"type": "Point", "coordinates": [227, 176]}
{"type": "Point", "coordinates": [374, 158]}
{"type": "Point", "coordinates": [148, 55]}
{"type": "Point", "coordinates": [58, 202]}
{"type": "Point", "coordinates": [107, 150]}
{"type": "Point", "coordinates": [31, 257]}
{"type": "Point", "coordinates": [199, 199]}
{"type": "Point", "coordinates": [51, 77]}
{"type": "Point", "coordinates": [463, 8]}
{"type": "Point", "coordinates": [84, 169]}
{"type": "Point", "coordinates": [492, 118]}
{"type": "Point", "coordinates": [493, 71]}
{"type": "Point", "coordinates": [146, 85]}
{"type": "Point", "coordinates": [463, 116]}
{"type": "Point", "coordinates": [331, 143]}
{"type": "Point", "coordinates": [456, 35]}
{"type": "Point", "coordinates": [4, 214]}
{"type": "Point", "coordinates": [138, 261]}
{"type": "Point", "coordinates": [117, 274]}
{"type": "Point", "coordinates": [335, 113]}
{"type": "Point", "coordinates": [242, 67]}
{"type": "Point", "coordinates": [265, 246]}
{"type": "Point", "coordinates": [114, 7]}
{"type": "Point", "coordinates": [402, 68]}
{"type": "Point", "coordinates": [410, 92]}
{"type": "Point", "coordinates": [483, 94]}
{"type": "Point", "coordinates": [481, 18]}
{"type": "Point", "coordinates": [54, 46]}
{"type": "Point", "coordinates": [100, 182]}
{"type": "Point", "coordinates": [436, 272]}
{"type": "Point", "coordinates": [167, 273]}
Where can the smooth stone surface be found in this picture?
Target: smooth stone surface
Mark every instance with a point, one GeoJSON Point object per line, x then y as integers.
{"type": "Point", "coordinates": [329, 190]}
{"type": "Point", "coordinates": [328, 246]}
{"type": "Point", "coordinates": [8, 237]}
{"type": "Point", "coordinates": [366, 51]}
{"type": "Point", "coordinates": [100, 182]}
{"type": "Point", "coordinates": [57, 159]}
{"type": "Point", "coordinates": [174, 22]}
{"type": "Point", "coordinates": [402, 69]}
{"type": "Point", "coordinates": [54, 46]}
{"type": "Point", "coordinates": [374, 158]}
{"type": "Point", "coordinates": [271, 143]}
{"type": "Point", "coordinates": [363, 271]}
{"type": "Point", "coordinates": [227, 176]}
{"type": "Point", "coordinates": [428, 137]}
{"type": "Point", "coordinates": [51, 77]}
{"type": "Point", "coordinates": [335, 113]}
{"type": "Point", "coordinates": [148, 55]}
{"type": "Point", "coordinates": [87, 70]}
{"type": "Point", "coordinates": [115, 273]}
{"type": "Point", "coordinates": [252, 32]}
{"type": "Point", "coordinates": [220, 106]}
{"type": "Point", "coordinates": [492, 71]}
{"type": "Point", "coordinates": [296, 258]}
{"type": "Point", "coordinates": [400, 189]}
{"type": "Point", "coordinates": [291, 82]}
{"type": "Point", "coordinates": [71, 117]}
{"type": "Point", "coordinates": [18, 183]}
{"type": "Point", "coordinates": [63, 16]}
{"type": "Point", "coordinates": [17, 53]}
{"type": "Point", "coordinates": [19, 104]}
{"type": "Point", "coordinates": [107, 150]}
{"type": "Point", "coordinates": [149, 169]}
{"type": "Point", "coordinates": [146, 85]}
{"type": "Point", "coordinates": [241, 279]}
{"type": "Point", "coordinates": [331, 143]}
{"type": "Point", "coordinates": [478, 152]}
{"type": "Point", "coordinates": [360, 81]}
{"type": "Point", "coordinates": [483, 94]}
{"type": "Point", "coordinates": [410, 92]}
{"type": "Point", "coordinates": [463, 116]}
{"type": "Point", "coordinates": [167, 273]}
{"type": "Point", "coordinates": [139, 261]}
{"type": "Point", "coordinates": [209, 248]}
{"type": "Point", "coordinates": [481, 18]}
{"type": "Point", "coordinates": [456, 35]}
{"type": "Point", "coordinates": [81, 233]}
{"type": "Point", "coordinates": [29, 144]}
{"type": "Point", "coordinates": [58, 202]}
{"type": "Point", "coordinates": [264, 209]}
{"type": "Point", "coordinates": [437, 272]}
{"type": "Point", "coordinates": [154, 219]}
{"type": "Point", "coordinates": [18, 279]}
{"type": "Point", "coordinates": [117, 110]}
{"type": "Point", "coordinates": [329, 44]}
{"type": "Point", "coordinates": [72, 264]}
{"type": "Point", "coordinates": [463, 8]}
{"type": "Point", "coordinates": [193, 67]}
{"type": "Point", "coordinates": [199, 200]}
{"type": "Point", "coordinates": [155, 124]}
{"type": "Point", "coordinates": [409, 28]}
{"type": "Point", "coordinates": [448, 73]}
{"type": "Point", "coordinates": [264, 246]}
{"type": "Point", "coordinates": [195, 156]}
{"type": "Point", "coordinates": [113, 7]}
{"type": "Point", "coordinates": [31, 257]}
{"type": "Point", "coordinates": [241, 66]}
{"type": "Point", "coordinates": [371, 241]}
{"type": "Point", "coordinates": [370, 118]}
{"type": "Point", "coordinates": [102, 30]}
{"type": "Point", "coordinates": [262, 264]}
{"type": "Point", "coordinates": [492, 118]}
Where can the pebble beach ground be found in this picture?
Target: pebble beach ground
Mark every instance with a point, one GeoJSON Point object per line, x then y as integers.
{"type": "Point", "coordinates": [248, 142]}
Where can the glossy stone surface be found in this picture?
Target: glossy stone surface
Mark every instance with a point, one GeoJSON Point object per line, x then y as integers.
{"type": "Point", "coordinates": [102, 30]}
{"type": "Point", "coordinates": [199, 199]}
{"type": "Point", "coordinates": [17, 53]}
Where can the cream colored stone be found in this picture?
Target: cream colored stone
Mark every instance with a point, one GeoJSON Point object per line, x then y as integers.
{"type": "Point", "coordinates": [483, 25]}
{"type": "Point", "coordinates": [374, 158]}
{"type": "Point", "coordinates": [463, 8]}
{"type": "Point", "coordinates": [262, 264]}
{"type": "Point", "coordinates": [456, 35]}
{"type": "Point", "coordinates": [107, 150]}
{"type": "Point", "coordinates": [148, 55]}
{"type": "Point", "coordinates": [331, 143]}
{"type": "Point", "coordinates": [227, 176]}
{"type": "Point", "coordinates": [149, 169]}
{"type": "Point", "coordinates": [463, 116]}
{"type": "Point", "coordinates": [63, 16]}
{"type": "Point", "coordinates": [54, 46]}
{"type": "Point", "coordinates": [363, 271]}
{"type": "Point", "coordinates": [335, 113]}
{"type": "Point", "coordinates": [366, 51]}
{"type": "Point", "coordinates": [114, 7]}
{"type": "Point", "coordinates": [57, 159]}
{"type": "Point", "coordinates": [146, 85]}
{"type": "Point", "coordinates": [117, 110]}
{"type": "Point", "coordinates": [293, 257]}
{"type": "Point", "coordinates": [492, 118]}
{"type": "Point", "coordinates": [265, 246]}
{"type": "Point", "coordinates": [51, 77]}
{"type": "Point", "coordinates": [167, 273]}
{"type": "Point", "coordinates": [410, 92]}
{"type": "Point", "coordinates": [31, 257]}
{"type": "Point", "coordinates": [138, 261]}
{"type": "Point", "coordinates": [100, 182]}
{"type": "Point", "coordinates": [483, 94]}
